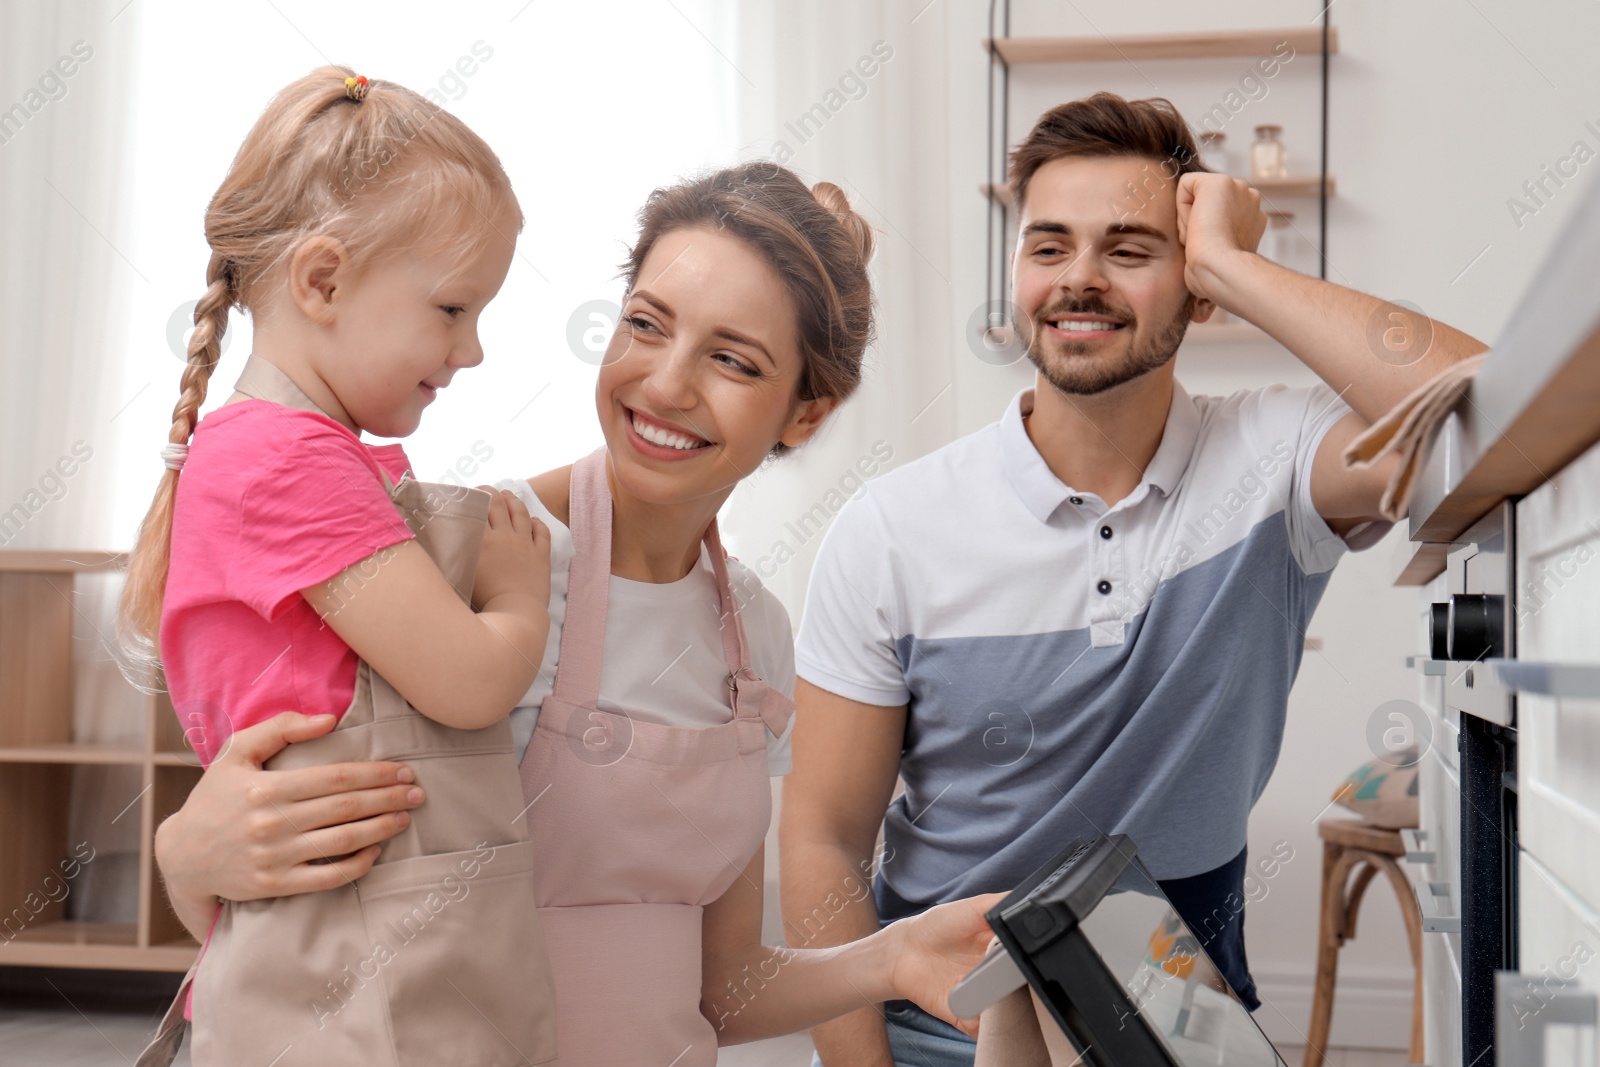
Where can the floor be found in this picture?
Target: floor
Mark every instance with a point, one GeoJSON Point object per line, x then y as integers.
{"type": "Point", "coordinates": [1348, 1057]}
{"type": "Point", "coordinates": [67, 1037]}
{"type": "Point", "coordinates": [54, 1018]}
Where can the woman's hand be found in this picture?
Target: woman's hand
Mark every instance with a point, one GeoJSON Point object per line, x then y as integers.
{"type": "Point", "coordinates": [936, 949]}
{"type": "Point", "coordinates": [247, 833]}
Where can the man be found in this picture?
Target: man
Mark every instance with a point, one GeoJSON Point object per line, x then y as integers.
{"type": "Point", "coordinates": [1086, 617]}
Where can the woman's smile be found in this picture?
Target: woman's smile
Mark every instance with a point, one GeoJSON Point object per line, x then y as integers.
{"type": "Point", "coordinates": [660, 439]}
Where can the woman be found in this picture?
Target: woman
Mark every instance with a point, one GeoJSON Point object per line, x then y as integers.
{"type": "Point", "coordinates": [747, 312]}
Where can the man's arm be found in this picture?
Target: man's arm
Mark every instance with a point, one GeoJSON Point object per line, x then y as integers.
{"type": "Point", "coordinates": [846, 760]}
{"type": "Point", "coordinates": [1369, 351]}
{"type": "Point", "coordinates": [1011, 1035]}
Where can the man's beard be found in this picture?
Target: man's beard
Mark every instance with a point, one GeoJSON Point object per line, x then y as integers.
{"type": "Point", "coordinates": [1088, 376]}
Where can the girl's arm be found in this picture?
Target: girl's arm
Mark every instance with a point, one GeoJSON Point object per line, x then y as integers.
{"type": "Point", "coordinates": [750, 991]}
{"type": "Point", "coordinates": [245, 833]}
{"type": "Point", "coordinates": [461, 667]}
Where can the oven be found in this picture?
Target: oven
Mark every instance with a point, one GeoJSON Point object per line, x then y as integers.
{"type": "Point", "coordinates": [1469, 631]}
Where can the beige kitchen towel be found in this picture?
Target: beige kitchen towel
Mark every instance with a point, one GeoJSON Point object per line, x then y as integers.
{"type": "Point", "coordinates": [1407, 429]}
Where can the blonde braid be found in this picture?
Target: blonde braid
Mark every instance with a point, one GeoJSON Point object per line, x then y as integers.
{"type": "Point", "coordinates": [146, 583]}
{"type": "Point", "coordinates": [205, 347]}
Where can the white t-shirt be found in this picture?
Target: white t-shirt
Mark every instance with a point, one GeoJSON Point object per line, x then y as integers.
{"type": "Point", "coordinates": [663, 646]}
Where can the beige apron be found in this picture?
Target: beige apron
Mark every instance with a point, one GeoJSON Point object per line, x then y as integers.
{"type": "Point", "coordinates": [436, 957]}
{"type": "Point", "coordinates": [643, 825]}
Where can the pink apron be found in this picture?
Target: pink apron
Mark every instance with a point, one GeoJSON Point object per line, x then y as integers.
{"type": "Point", "coordinates": [637, 826]}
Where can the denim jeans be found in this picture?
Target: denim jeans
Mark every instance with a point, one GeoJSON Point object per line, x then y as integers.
{"type": "Point", "coordinates": [917, 1039]}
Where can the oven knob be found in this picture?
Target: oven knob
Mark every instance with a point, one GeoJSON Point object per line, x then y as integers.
{"type": "Point", "coordinates": [1476, 623]}
{"type": "Point", "coordinates": [1439, 631]}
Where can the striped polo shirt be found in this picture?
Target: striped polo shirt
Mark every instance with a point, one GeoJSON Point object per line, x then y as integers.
{"type": "Point", "coordinates": [1071, 668]}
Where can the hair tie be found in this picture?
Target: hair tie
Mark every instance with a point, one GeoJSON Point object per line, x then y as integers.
{"type": "Point", "coordinates": [174, 455]}
{"type": "Point", "coordinates": [356, 88]}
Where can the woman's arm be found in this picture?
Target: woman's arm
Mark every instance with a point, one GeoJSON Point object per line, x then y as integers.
{"type": "Point", "coordinates": [246, 833]}
{"type": "Point", "coordinates": [846, 760]}
{"type": "Point", "coordinates": [459, 666]}
{"type": "Point", "coordinates": [750, 991]}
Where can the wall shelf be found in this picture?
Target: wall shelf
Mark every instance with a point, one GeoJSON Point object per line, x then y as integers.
{"type": "Point", "coordinates": [1102, 49]}
{"type": "Point", "coordinates": [1307, 186]}
{"type": "Point", "coordinates": [1236, 332]}
{"type": "Point", "coordinates": [100, 946]}
{"type": "Point", "coordinates": [45, 561]}
{"type": "Point", "coordinates": [1320, 39]}
{"type": "Point", "coordinates": [72, 752]}
{"type": "Point", "coordinates": [38, 754]}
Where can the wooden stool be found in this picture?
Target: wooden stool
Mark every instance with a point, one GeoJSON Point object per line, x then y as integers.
{"type": "Point", "coordinates": [1352, 855]}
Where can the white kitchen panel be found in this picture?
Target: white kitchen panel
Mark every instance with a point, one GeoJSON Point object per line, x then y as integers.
{"type": "Point", "coordinates": [1558, 566]}
{"type": "Point", "coordinates": [1558, 775]}
{"type": "Point", "coordinates": [1441, 1009]}
{"type": "Point", "coordinates": [1439, 792]}
{"type": "Point", "coordinates": [1440, 796]}
{"type": "Point", "coordinates": [1560, 942]}
{"type": "Point", "coordinates": [1444, 721]}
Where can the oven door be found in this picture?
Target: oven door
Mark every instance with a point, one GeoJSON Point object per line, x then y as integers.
{"type": "Point", "coordinates": [1480, 633]}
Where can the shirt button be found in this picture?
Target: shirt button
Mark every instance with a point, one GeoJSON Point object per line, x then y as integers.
{"type": "Point", "coordinates": [1104, 587]}
{"type": "Point", "coordinates": [1074, 499]}
{"type": "Point", "coordinates": [1105, 532]}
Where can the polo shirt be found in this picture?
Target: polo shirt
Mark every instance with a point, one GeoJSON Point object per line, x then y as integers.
{"type": "Point", "coordinates": [1071, 668]}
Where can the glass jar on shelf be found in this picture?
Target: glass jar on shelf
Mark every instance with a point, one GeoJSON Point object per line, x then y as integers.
{"type": "Point", "coordinates": [1269, 159]}
{"type": "Point", "coordinates": [1213, 150]}
{"type": "Point", "coordinates": [1284, 243]}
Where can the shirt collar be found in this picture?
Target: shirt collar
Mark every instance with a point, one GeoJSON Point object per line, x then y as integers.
{"type": "Point", "coordinates": [1042, 492]}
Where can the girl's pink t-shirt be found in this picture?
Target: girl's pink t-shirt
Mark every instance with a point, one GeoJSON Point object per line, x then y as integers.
{"type": "Point", "coordinates": [272, 500]}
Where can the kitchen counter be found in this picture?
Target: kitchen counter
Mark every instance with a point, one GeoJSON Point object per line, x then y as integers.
{"type": "Point", "coordinates": [1533, 408]}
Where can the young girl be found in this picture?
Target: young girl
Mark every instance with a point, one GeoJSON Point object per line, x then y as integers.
{"type": "Point", "coordinates": [285, 563]}
{"type": "Point", "coordinates": [648, 746]}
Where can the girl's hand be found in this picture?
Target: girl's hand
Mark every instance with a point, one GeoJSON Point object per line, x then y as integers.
{"type": "Point", "coordinates": [936, 949]}
{"type": "Point", "coordinates": [515, 558]}
{"type": "Point", "coordinates": [246, 833]}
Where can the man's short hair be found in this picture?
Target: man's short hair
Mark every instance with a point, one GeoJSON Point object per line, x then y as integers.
{"type": "Point", "coordinates": [1106, 125]}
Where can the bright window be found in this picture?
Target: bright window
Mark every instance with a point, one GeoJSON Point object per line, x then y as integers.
{"type": "Point", "coordinates": [590, 106]}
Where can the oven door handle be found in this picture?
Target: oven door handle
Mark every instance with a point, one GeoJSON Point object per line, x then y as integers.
{"type": "Point", "coordinates": [1417, 850]}
{"type": "Point", "coordinates": [1574, 680]}
{"type": "Point", "coordinates": [1525, 1006]}
{"type": "Point", "coordinates": [1432, 667]}
{"type": "Point", "coordinates": [991, 981]}
{"type": "Point", "coordinates": [1435, 921]}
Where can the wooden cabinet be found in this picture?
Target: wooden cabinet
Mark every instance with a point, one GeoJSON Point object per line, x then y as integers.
{"type": "Point", "coordinates": [39, 860]}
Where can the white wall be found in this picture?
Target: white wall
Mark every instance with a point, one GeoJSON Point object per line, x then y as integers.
{"type": "Point", "coordinates": [584, 132]}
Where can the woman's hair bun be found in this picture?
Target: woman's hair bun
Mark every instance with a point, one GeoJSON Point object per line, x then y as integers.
{"type": "Point", "coordinates": [834, 199]}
